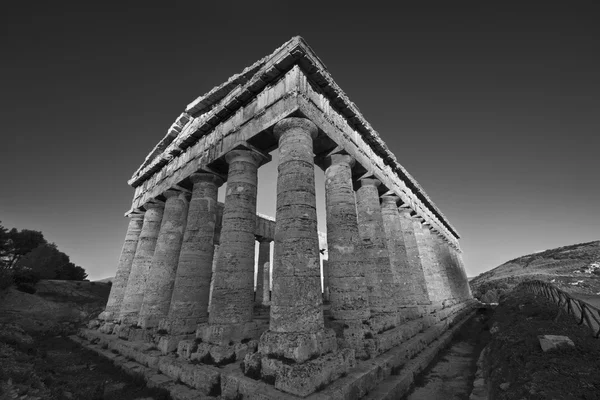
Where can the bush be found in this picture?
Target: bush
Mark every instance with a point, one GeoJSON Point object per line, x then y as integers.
{"type": "Point", "coordinates": [26, 287]}
{"type": "Point", "coordinates": [6, 278]}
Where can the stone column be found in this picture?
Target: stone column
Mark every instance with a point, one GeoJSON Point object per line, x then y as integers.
{"type": "Point", "coordinates": [136, 284]}
{"type": "Point", "coordinates": [119, 284]}
{"type": "Point", "coordinates": [267, 284]}
{"type": "Point", "coordinates": [326, 280]}
{"type": "Point", "coordinates": [380, 279]}
{"type": "Point", "coordinates": [212, 275]}
{"type": "Point", "coordinates": [296, 300]}
{"type": "Point", "coordinates": [449, 266]}
{"type": "Point", "coordinates": [432, 278]}
{"type": "Point", "coordinates": [264, 255]}
{"type": "Point", "coordinates": [189, 303]}
{"type": "Point", "coordinates": [401, 268]}
{"type": "Point", "coordinates": [296, 333]}
{"type": "Point", "coordinates": [444, 270]}
{"type": "Point", "coordinates": [414, 257]}
{"type": "Point", "coordinates": [161, 277]}
{"type": "Point", "coordinates": [347, 285]}
{"type": "Point", "coordinates": [233, 291]}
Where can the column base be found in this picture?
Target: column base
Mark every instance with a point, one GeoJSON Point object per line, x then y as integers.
{"type": "Point", "coordinates": [297, 346]}
{"type": "Point", "coordinates": [226, 334]}
{"type": "Point", "coordinates": [300, 379]}
{"type": "Point", "coordinates": [179, 326]}
{"type": "Point", "coordinates": [106, 316]}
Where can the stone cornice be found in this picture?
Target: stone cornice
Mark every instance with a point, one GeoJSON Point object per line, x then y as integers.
{"type": "Point", "coordinates": [207, 111]}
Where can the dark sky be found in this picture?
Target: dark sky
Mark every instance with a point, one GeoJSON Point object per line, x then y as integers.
{"type": "Point", "coordinates": [493, 108]}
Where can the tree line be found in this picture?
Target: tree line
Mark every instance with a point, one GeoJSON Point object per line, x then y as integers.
{"type": "Point", "coordinates": [26, 257]}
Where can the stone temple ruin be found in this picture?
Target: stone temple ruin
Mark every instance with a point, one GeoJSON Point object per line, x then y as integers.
{"type": "Point", "coordinates": [394, 282]}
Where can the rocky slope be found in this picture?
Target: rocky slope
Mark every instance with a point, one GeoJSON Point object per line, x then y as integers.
{"type": "Point", "coordinates": [574, 268]}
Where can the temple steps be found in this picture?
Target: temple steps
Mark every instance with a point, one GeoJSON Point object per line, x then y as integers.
{"type": "Point", "coordinates": [387, 376]}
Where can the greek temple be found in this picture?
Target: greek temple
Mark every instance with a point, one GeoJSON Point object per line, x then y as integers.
{"type": "Point", "coordinates": [184, 306]}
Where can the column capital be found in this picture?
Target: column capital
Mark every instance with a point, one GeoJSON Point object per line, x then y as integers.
{"type": "Point", "coordinates": [247, 153]}
{"type": "Point", "coordinates": [136, 216]}
{"type": "Point", "coordinates": [369, 179]}
{"type": "Point", "coordinates": [339, 158]}
{"type": "Point", "coordinates": [289, 123]}
{"type": "Point", "coordinates": [405, 212]}
{"type": "Point", "coordinates": [171, 193]}
{"type": "Point", "coordinates": [202, 176]}
{"type": "Point", "coordinates": [154, 204]}
{"type": "Point", "coordinates": [389, 199]}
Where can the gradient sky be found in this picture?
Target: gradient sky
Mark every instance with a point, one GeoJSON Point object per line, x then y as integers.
{"type": "Point", "coordinates": [493, 109]}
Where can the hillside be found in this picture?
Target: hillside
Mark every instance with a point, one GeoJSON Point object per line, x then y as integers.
{"type": "Point", "coordinates": [574, 268]}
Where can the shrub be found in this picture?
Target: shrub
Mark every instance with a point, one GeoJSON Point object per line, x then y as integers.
{"type": "Point", "coordinates": [6, 278]}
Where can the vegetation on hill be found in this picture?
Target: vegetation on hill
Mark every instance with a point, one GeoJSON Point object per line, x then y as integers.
{"type": "Point", "coordinates": [26, 257]}
{"type": "Point", "coordinates": [574, 268]}
{"type": "Point", "coordinates": [516, 367]}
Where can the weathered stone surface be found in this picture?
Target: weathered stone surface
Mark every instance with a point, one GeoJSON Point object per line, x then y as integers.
{"type": "Point", "coordinates": [136, 284]}
{"type": "Point", "coordinates": [222, 334]}
{"type": "Point", "coordinates": [264, 255]}
{"type": "Point", "coordinates": [233, 290]}
{"type": "Point", "coordinates": [401, 268]}
{"type": "Point", "coordinates": [119, 283]}
{"type": "Point", "coordinates": [377, 266]}
{"type": "Point", "coordinates": [432, 279]}
{"type": "Point", "coordinates": [189, 303]}
{"type": "Point", "coordinates": [296, 300]}
{"type": "Point", "coordinates": [297, 346]}
{"type": "Point", "coordinates": [552, 342]}
{"type": "Point", "coordinates": [414, 258]}
{"type": "Point", "coordinates": [348, 290]}
{"type": "Point", "coordinates": [304, 379]}
{"type": "Point", "coordinates": [161, 277]}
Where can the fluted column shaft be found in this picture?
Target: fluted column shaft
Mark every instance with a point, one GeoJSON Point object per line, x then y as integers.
{"type": "Point", "coordinates": [347, 285]}
{"type": "Point", "coordinates": [401, 268]}
{"type": "Point", "coordinates": [414, 258]}
{"type": "Point", "coordinates": [119, 284]}
{"type": "Point", "coordinates": [233, 290]}
{"type": "Point", "coordinates": [264, 255]}
{"type": "Point", "coordinates": [136, 284]}
{"type": "Point", "coordinates": [377, 265]}
{"type": "Point", "coordinates": [296, 299]}
{"type": "Point", "coordinates": [189, 303]}
{"type": "Point", "coordinates": [161, 278]}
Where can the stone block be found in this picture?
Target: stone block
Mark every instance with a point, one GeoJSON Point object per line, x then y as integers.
{"type": "Point", "coordinates": [168, 343]}
{"type": "Point", "coordinates": [305, 378]}
{"type": "Point", "coordinates": [205, 378]}
{"type": "Point", "coordinates": [170, 366]}
{"type": "Point", "coordinates": [224, 334]}
{"type": "Point", "coordinates": [185, 348]}
{"type": "Point", "coordinates": [297, 346]}
{"type": "Point", "coordinates": [552, 342]}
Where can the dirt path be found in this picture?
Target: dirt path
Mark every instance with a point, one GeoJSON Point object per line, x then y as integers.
{"type": "Point", "coordinates": [451, 376]}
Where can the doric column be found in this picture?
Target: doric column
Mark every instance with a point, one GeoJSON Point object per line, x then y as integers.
{"type": "Point", "coordinates": [414, 258]}
{"type": "Point", "coordinates": [189, 303]}
{"type": "Point", "coordinates": [267, 284]}
{"type": "Point", "coordinates": [161, 277]}
{"type": "Point", "coordinates": [233, 291]}
{"type": "Point", "coordinates": [119, 284]}
{"type": "Point", "coordinates": [212, 274]}
{"type": "Point", "coordinates": [264, 255]}
{"type": "Point", "coordinates": [443, 270]}
{"type": "Point", "coordinates": [136, 284]}
{"type": "Point", "coordinates": [296, 334]}
{"type": "Point", "coordinates": [451, 272]}
{"type": "Point", "coordinates": [326, 280]}
{"type": "Point", "coordinates": [401, 268]}
{"type": "Point", "coordinates": [377, 265]}
{"type": "Point", "coordinates": [348, 290]}
{"type": "Point", "coordinates": [296, 300]}
{"type": "Point", "coordinates": [430, 269]}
